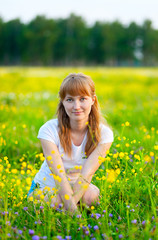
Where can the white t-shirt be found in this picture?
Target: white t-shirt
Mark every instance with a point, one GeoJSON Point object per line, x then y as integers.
{"type": "Point", "coordinates": [49, 131]}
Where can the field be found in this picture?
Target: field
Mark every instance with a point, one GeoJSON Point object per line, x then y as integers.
{"type": "Point", "coordinates": [127, 178]}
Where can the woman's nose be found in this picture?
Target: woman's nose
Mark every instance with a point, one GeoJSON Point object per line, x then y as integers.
{"type": "Point", "coordinates": [76, 104]}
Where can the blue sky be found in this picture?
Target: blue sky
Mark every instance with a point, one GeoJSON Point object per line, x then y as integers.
{"type": "Point", "coordinates": [91, 10]}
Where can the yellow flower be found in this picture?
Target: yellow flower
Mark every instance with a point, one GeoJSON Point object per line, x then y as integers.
{"type": "Point", "coordinates": [141, 169]}
{"type": "Point", "coordinates": [151, 154]}
{"type": "Point", "coordinates": [31, 199]}
{"type": "Point", "coordinates": [42, 197]}
{"type": "Point", "coordinates": [42, 158]}
{"type": "Point", "coordinates": [127, 144]}
{"type": "Point", "coordinates": [66, 197]}
{"type": "Point", "coordinates": [49, 158]}
{"type": "Point", "coordinates": [147, 158]}
{"type": "Point", "coordinates": [111, 176]}
{"type": "Point", "coordinates": [133, 170]}
{"type": "Point", "coordinates": [156, 147]}
{"type": "Point", "coordinates": [58, 166]}
{"type": "Point", "coordinates": [1, 168]}
{"type": "Point", "coordinates": [117, 171]}
{"type": "Point", "coordinates": [137, 156]}
{"type": "Point", "coordinates": [92, 207]}
{"type": "Point", "coordinates": [14, 171]}
{"type": "Point", "coordinates": [52, 151]}
{"type": "Point", "coordinates": [22, 172]}
{"type": "Point", "coordinates": [121, 154]}
{"type": "Point", "coordinates": [127, 124]}
{"type": "Point", "coordinates": [115, 155]}
{"type": "Point", "coordinates": [86, 123]}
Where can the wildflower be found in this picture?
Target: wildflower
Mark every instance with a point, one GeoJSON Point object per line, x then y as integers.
{"type": "Point", "coordinates": [59, 237]}
{"type": "Point", "coordinates": [35, 237]}
{"type": "Point", "coordinates": [96, 227]}
{"type": "Point", "coordinates": [98, 215]}
{"type": "Point", "coordinates": [31, 232]}
{"type": "Point", "coordinates": [68, 237]}
{"type": "Point", "coordinates": [78, 216]}
{"type": "Point", "coordinates": [67, 197]}
{"type": "Point", "coordinates": [20, 231]}
{"type": "Point", "coordinates": [127, 124]}
{"type": "Point", "coordinates": [132, 210]}
{"type": "Point", "coordinates": [143, 223]}
{"type": "Point", "coordinates": [104, 211]}
{"type": "Point", "coordinates": [49, 158]}
{"type": "Point", "coordinates": [25, 208]}
{"type": "Point", "coordinates": [120, 236]}
{"type": "Point", "coordinates": [134, 221]}
{"type": "Point", "coordinates": [109, 223]}
{"type": "Point", "coordinates": [121, 154]}
{"type": "Point", "coordinates": [41, 207]}
{"type": "Point", "coordinates": [87, 232]}
{"type": "Point", "coordinates": [92, 207]}
{"type": "Point", "coordinates": [110, 215]}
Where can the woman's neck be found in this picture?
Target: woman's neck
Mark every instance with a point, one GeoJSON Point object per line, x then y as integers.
{"type": "Point", "coordinates": [78, 126]}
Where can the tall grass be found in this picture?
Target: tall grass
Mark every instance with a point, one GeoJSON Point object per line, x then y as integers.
{"type": "Point", "coordinates": [127, 177]}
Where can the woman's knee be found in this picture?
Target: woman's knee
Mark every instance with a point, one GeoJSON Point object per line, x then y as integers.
{"type": "Point", "coordinates": [91, 196]}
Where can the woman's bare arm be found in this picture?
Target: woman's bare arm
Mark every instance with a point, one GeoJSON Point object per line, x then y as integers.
{"type": "Point", "coordinates": [90, 167]}
{"type": "Point", "coordinates": [56, 166]}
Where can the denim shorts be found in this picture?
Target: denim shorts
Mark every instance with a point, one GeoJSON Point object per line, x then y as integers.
{"type": "Point", "coordinates": [33, 187]}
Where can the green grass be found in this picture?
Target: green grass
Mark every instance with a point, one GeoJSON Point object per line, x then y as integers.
{"type": "Point", "coordinates": [127, 179]}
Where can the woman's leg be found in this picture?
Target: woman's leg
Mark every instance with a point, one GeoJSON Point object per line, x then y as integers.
{"type": "Point", "coordinates": [91, 196]}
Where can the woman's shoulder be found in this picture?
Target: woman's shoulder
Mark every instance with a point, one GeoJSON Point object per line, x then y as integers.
{"type": "Point", "coordinates": [105, 127]}
{"type": "Point", "coordinates": [52, 123]}
{"type": "Point", "coordinates": [106, 133]}
{"type": "Point", "coordinates": [49, 131]}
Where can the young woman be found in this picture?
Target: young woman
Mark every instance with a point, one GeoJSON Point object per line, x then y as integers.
{"type": "Point", "coordinates": [72, 144]}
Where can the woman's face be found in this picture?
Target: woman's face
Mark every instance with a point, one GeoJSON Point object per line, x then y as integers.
{"type": "Point", "coordinates": [78, 107]}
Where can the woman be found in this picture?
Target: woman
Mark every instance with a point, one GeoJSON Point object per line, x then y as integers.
{"type": "Point", "coordinates": [72, 144]}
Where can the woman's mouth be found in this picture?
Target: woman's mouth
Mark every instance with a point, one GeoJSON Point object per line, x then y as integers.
{"type": "Point", "coordinates": [77, 113]}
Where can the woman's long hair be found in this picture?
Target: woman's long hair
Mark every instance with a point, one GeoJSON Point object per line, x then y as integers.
{"type": "Point", "coordinates": [78, 84]}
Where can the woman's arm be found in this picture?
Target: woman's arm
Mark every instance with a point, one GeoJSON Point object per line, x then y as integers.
{"type": "Point", "coordinates": [56, 166]}
{"type": "Point", "coordinates": [90, 167]}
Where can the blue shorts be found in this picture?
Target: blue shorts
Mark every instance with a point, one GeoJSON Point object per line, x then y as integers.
{"type": "Point", "coordinates": [33, 187]}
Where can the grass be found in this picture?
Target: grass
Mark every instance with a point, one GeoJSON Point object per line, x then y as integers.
{"type": "Point", "coordinates": [127, 178]}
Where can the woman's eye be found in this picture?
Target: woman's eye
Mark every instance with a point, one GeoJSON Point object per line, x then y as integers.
{"type": "Point", "coordinates": [69, 99]}
{"type": "Point", "coordinates": [82, 99]}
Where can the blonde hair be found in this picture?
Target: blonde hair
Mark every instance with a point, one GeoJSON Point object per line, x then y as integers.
{"type": "Point", "coordinates": [78, 84]}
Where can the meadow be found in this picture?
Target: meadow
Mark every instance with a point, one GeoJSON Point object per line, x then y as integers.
{"type": "Point", "coordinates": [127, 177]}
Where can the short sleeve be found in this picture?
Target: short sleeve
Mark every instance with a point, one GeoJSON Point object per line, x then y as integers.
{"type": "Point", "coordinates": [106, 134]}
{"type": "Point", "coordinates": [49, 132]}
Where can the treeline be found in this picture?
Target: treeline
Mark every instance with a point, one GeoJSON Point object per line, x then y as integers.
{"type": "Point", "coordinates": [71, 41]}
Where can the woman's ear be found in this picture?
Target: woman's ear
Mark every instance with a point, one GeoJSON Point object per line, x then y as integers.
{"type": "Point", "coordinates": [93, 99]}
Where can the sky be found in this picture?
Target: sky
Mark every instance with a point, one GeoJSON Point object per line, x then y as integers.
{"type": "Point", "coordinates": [91, 10]}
